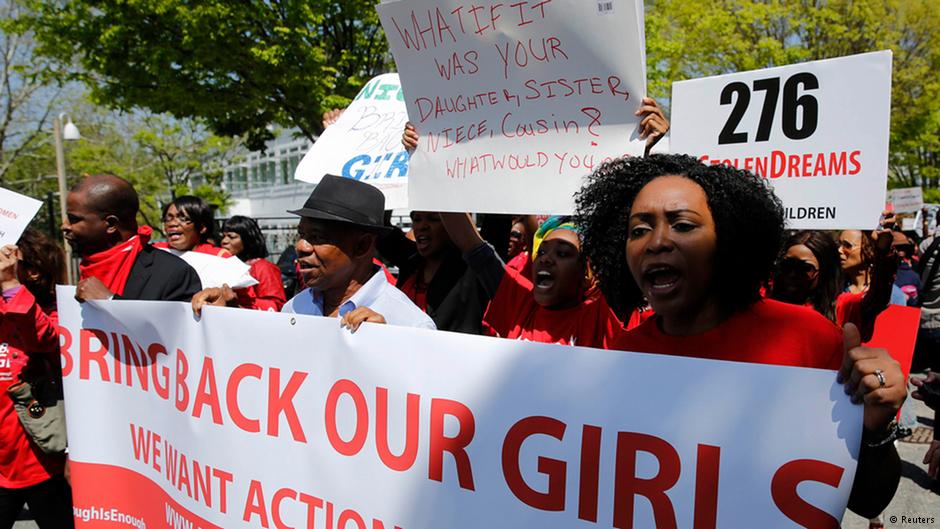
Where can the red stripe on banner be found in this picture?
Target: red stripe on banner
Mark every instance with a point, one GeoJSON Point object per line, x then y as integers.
{"type": "Point", "coordinates": [107, 496]}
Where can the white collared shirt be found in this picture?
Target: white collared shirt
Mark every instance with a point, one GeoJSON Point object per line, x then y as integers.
{"type": "Point", "coordinates": [377, 294]}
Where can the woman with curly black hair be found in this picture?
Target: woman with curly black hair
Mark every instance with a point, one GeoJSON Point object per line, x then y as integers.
{"type": "Point", "coordinates": [697, 242]}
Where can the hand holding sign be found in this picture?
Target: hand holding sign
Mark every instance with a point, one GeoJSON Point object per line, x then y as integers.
{"type": "Point", "coordinates": [16, 212]}
{"type": "Point", "coordinates": [653, 123]}
{"type": "Point", "coordinates": [9, 256]}
{"type": "Point", "coordinates": [410, 137]}
{"type": "Point", "coordinates": [91, 288]}
{"type": "Point", "coordinates": [331, 116]}
{"type": "Point", "coordinates": [871, 376]}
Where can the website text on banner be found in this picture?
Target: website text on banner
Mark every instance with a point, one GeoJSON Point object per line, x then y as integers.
{"type": "Point", "coordinates": [397, 427]}
{"type": "Point", "coordinates": [515, 102]}
{"type": "Point", "coordinates": [16, 212]}
{"type": "Point", "coordinates": [365, 143]}
{"type": "Point", "coordinates": [818, 131]}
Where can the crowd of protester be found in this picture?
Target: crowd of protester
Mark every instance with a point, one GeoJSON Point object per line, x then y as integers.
{"type": "Point", "coordinates": [665, 255]}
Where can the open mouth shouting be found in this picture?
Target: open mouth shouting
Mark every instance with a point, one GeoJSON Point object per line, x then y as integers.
{"type": "Point", "coordinates": [660, 280]}
{"type": "Point", "coordinates": [423, 243]}
{"type": "Point", "coordinates": [544, 280]}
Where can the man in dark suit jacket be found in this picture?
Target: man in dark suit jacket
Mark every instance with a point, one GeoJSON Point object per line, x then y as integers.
{"type": "Point", "coordinates": [117, 260]}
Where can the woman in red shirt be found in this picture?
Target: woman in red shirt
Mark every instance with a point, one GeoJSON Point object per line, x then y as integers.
{"type": "Point", "coordinates": [242, 237]}
{"type": "Point", "coordinates": [559, 305]}
{"type": "Point", "coordinates": [698, 242]}
{"type": "Point", "coordinates": [29, 341]}
{"type": "Point", "coordinates": [189, 226]}
{"type": "Point", "coordinates": [809, 273]}
{"type": "Point", "coordinates": [519, 253]}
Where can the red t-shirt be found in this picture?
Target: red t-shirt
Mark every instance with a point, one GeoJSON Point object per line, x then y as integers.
{"type": "Point", "coordinates": [410, 289]}
{"type": "Point", "coordinates": [522, 263]}
{"type": "Point", "coordinates": [767, 332]}
{"type": "Point", "coordinates": [514, 314]}
{"type": "Point", "coordinates": [25, 330]}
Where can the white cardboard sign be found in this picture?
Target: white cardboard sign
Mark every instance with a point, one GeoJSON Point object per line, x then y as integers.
{"type": "Point", "coordinates": [818, 131]}
{"type": "Point", "coordinates": [244, 418]}
{"type": "Point", "coordinates": [515, 102]}
{"type": "Point", "coordinates": [16, 212]}
{"type": "Point", "coordinates": [365, 143]}
{"type": "Point", "coordinates": [906, 199]}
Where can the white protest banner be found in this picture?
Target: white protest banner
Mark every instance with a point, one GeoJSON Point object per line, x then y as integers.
{"type": "Point", "coordinates": [16, 211]}
{"type": "Point", "coordinates": [515, 102]}
{"type": "Point", "coordinates": [253, 419]}
{"type": "Point", "coordinates": [365, 143]}
{"type": "Point", "coordinates": [906, 199]}
{"type": "Point", "coordinates": [818, 131]}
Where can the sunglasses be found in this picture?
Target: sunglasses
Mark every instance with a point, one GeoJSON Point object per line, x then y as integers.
{"type": "Point", "coordinates": [515, 234]}
{"type": "Point", "coordinates": [792, 265]}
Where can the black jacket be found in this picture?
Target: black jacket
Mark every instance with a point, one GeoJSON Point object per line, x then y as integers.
{"type": "Point", "coordinates": [457, 297]}
{"type": "Point", "coordinates": [160, 276]}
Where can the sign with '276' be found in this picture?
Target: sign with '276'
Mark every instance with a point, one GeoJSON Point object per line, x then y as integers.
{"type": "Point", "coordinates": [817, 131]}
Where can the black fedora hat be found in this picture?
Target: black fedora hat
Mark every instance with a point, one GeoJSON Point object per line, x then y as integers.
{"type": "Point", "coordinates": [348, 201]}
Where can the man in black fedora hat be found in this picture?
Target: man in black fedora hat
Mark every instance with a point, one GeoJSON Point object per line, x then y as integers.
{"type": "Point", "coordinates": [339, 225]}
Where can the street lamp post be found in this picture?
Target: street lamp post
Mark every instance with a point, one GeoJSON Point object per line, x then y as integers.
{"type": "Point", "coordinates": [68, 132]}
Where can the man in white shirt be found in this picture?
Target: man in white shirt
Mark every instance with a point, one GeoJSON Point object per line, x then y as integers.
{"type": "Point", "coordinates": [337, 233]}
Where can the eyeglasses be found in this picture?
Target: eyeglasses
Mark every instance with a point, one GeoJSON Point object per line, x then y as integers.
{"type": "Point", "coordinates": [182, 219]}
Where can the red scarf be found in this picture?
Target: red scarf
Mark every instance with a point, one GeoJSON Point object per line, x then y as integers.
{"type": "Point", "coordinates": [113, 266]}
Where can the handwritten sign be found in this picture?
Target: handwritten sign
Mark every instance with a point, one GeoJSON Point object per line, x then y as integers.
{"type": "Point", "coordinates": [16, 211]}
{"type": "Point", "coordinates": [906, 199]}
{"type": "Point", "coordinates": [515, 102]}
{"type": "Point", "coordinates": [249, 420]}
{"type": "Point", "coordinates": [365, 143]}
{"type": "Point", "coordinates": [818, 131]}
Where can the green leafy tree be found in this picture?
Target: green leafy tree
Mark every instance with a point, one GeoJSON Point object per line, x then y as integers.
{"type": "Point", "coordinates": [694, 38]}
{"type": "Point", "coordinates": [29, 90]}
{"type": "Point", "coordinates": [181, 149]}
{"type": "Point", "coordinates": [240, 66]}
{"type": "Point", "coordinates": [158, 154]}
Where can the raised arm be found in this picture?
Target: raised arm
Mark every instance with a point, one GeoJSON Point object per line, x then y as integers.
{"type": "Point", "coordinates": [653, 123]}
{"type": "Point", "coordinates": [462, 231]}
{"type": "Point", "coordinates": [885, 266]}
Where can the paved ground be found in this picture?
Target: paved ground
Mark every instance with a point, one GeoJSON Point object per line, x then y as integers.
{"type": "Point", "coordinates": [918, 495]}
